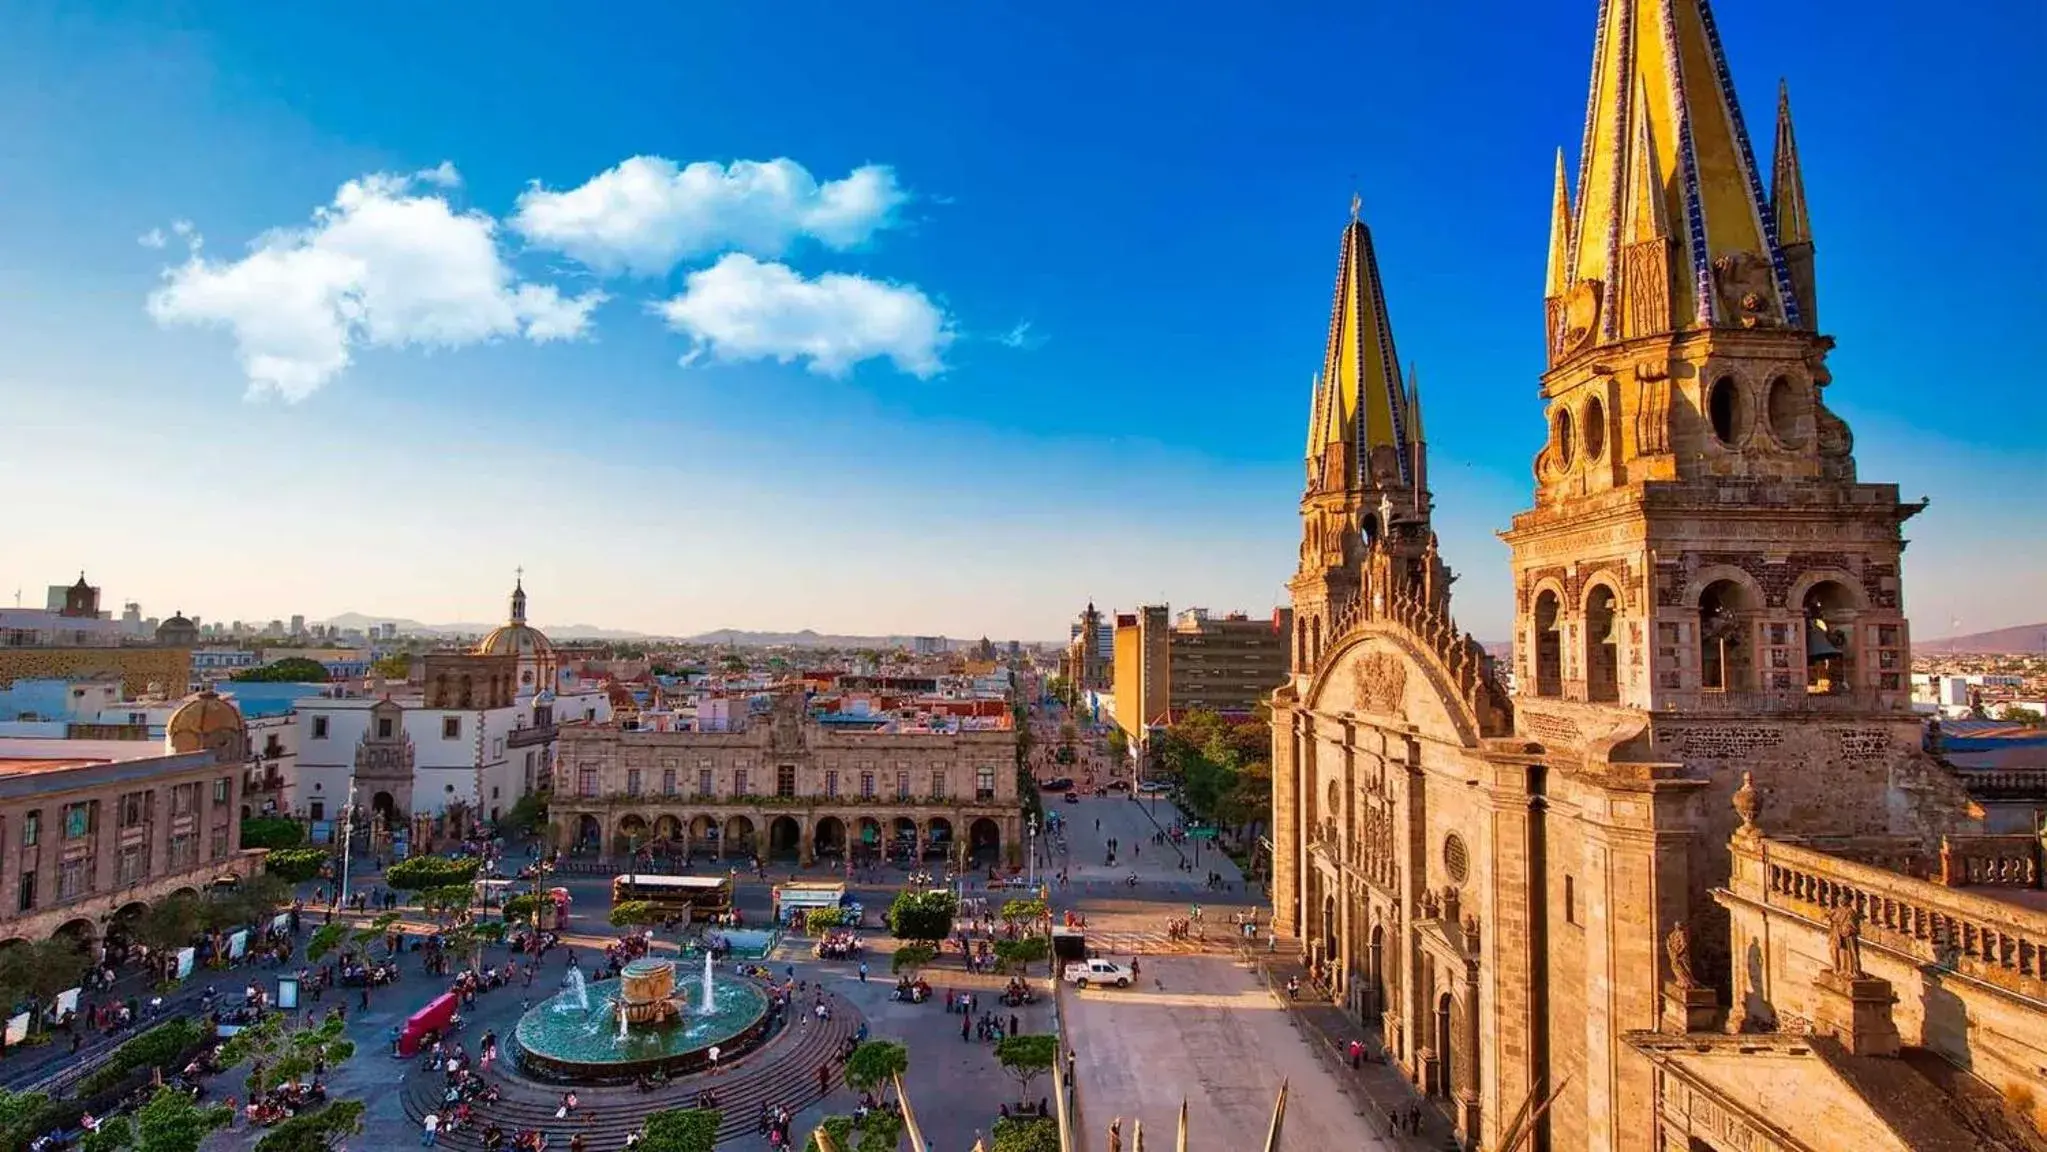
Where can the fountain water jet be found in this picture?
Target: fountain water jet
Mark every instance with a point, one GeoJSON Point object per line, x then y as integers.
{"type": "Point", "coordinates": [709, 1004]}
{"type": "Point", "coordinates": [575, 993]}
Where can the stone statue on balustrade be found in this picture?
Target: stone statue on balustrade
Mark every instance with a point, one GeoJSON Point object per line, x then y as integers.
{"type": "Point", "coordinates": [1844, 938]}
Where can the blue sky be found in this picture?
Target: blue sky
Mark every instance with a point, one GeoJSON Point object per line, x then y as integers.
{"type": "Point", "coordinates": [1050, 280]}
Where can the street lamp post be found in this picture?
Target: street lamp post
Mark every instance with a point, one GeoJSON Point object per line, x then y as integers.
{"type": "Point", "coordinates": [1034, 853]}
{"type": "Point", "coordinates": [347, 836]}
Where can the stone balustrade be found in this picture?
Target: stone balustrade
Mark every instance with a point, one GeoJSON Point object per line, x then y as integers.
{"type": "Point", "coordinates": [1996, 941]}
{"type": "Point", "coordinates": [1990, 862]}
{"type": "Point", "coordinates": [2005, 783]}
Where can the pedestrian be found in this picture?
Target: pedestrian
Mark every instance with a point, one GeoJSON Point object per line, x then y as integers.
{"type": "Point", "coordinates": [824, 1079]}
{"type": "Point", "coordinates": [429, 1130]}
{"type": "Point", "coordinates": [863, 971]}
{"type": "Point", "coordinates": [1414, 1118]}
{"type": "Point", "coordinates": [1013, 1029]}
{"type": "Point", "coordinates": [1393, 1119]}
{"type": "Point", "coordinates": [967, 1027]}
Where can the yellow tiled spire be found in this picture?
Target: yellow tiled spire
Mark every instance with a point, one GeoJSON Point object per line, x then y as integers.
{"type": "Point", "coordinates": [1787, 180]}
{"type": "Point", "coordinates": [1557, 278]}
{"type": "Point", "coordinates": [1662, 112]}
{"type": "Point", "coordinates": [1361, 398]}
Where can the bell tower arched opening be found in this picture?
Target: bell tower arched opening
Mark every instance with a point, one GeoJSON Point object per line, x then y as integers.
{"type": "Point", "coordinates": [1602, 646]}
{"type": "Point", "coordinates": [1723, 645]}
{"type": "Point", "coordinates": [1549, 644]}
{"type": "Point", "coordinates": [1829, 610]}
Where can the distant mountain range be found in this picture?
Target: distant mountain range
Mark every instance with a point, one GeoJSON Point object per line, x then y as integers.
{"type": "Point", "coordinates": [2026, 638]}
{"type": "Point", "coordinates": [807, 638]}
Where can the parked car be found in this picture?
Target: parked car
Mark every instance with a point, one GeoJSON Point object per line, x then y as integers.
{"type": "Point", "coordinates": [1151, 786]}
{"type": "Point", "coordinates": [1058, 784]}
{"type": "Point", "coordinates": [1073, 797]}
{"type": "Point", "coordinates": [1084, 972]}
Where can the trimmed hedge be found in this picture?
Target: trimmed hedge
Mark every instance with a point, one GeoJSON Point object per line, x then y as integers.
{"type": "Point", "coordinates": [166, 1046]}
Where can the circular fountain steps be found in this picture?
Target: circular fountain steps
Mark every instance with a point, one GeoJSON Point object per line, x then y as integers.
{"type": "Point", "coordinates": [781, 1071]}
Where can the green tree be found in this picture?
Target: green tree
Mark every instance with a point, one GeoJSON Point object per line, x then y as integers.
{"type": "Point", "coordinates": [290, 670]}
{"type": "Point", "coordinates": [874, 1065]}
{"type": "Point", "coordinates": [418, 873]}
{"type": "Point", "coordinates": [272, 832]}
{"type": "Point", "coordinates": [396, 666]}
{"type": "Point", "coordinates": [21, 1117]}
{"type": "Point", "coordinates": [169, 924]}
{"type": "Point", "coordinates": [445, 900]}
{"type": "Point", "coordinates": [635, 914]}
{"type": "Point", "coordinates": [39, 969]}
{"type": "Point", "coordinates": [173, 1122]}
{"type": "Point", "coordinates": [325, 939]}
{"type": "Point", "coordinates": [286, 1052]}
{"type": "Point", "coordinates": [315, 1131]}
{"type": "Point", "coordinates": [1029, 911]}
{"type": "Point", "coordinates": [817, 920]}
{"type": "Point", "coordinates": [521, 907]}
{"type": "Point", "coordinates": [1019, 954]}
{"type": "Point", "coordinates": [681, 1130]}
{"type": "Point", "coordinates": [295, 865]}
{"type": "Point", "coordinates": [529, 813]}
{"type": "Point", "coordinates": [1025, 1134]}
{"type": "Point", "coordinates": [923, 916]}
{"type": "Point", "coordinates": [2015, 714]}
{"type": "Point", "coordinates": [167, 1047]}
{"type": "Point", "coordinates": [112, 1135]}
{"type": "Point", "coordinates": [911, 958]}
{"type": "Point", "coordinates": [1119, 745]}
{"type": "Point", "coordinates": [1026, 1058]}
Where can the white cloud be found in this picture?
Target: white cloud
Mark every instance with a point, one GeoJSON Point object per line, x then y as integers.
{"type": "Point", "coordinates": [442, 175]}
{"type": "Point", "coordinates": [154, 238]}
{"type": "Point", "coordinates": [382, 266]}
{"type": "Point", "coordinates": [743, 309]}
{"type": "Point", "coordinates": [647, 215]}
{"type": "Point", "coordinates": [1021, 338]}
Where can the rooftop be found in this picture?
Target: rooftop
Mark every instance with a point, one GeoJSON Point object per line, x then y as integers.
{"type": "Point", "coordinates": [21, 766]}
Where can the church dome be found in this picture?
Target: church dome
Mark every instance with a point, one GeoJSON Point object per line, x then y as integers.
{"type": "Point", "coordinates": [177, 631]}
{"type": "Point", "coordinates": [530, 645]}
{"type": "Point", "coordinates": [515, 640]}
{"type": "Point", "coordinates": [201, 722]}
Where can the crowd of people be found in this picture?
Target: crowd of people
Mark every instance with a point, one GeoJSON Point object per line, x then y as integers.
{"type": "Point", "coordinates": [837, 944]}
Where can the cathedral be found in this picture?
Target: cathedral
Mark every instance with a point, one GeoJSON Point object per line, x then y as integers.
{"type": "Point", "coordinates": [1701, 856]}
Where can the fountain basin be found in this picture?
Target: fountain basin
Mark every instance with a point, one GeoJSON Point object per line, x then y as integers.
{"type": "Point", "coordinates": [560, 1042]}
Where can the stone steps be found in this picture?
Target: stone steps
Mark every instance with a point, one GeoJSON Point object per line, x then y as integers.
{"type": "Point", "coordinates": [784, 1072]}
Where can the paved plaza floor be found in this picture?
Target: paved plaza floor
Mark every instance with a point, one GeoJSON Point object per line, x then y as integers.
{"type": "Point", "coordinates": [1207, 1031]}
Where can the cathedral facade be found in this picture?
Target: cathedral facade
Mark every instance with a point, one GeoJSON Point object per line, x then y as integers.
{"type": "Point", "coordinates": [1513, 886]}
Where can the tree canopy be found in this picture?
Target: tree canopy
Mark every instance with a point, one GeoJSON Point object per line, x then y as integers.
{"type": "Point", "coordinates": [295, 865]}
{"type": "Point", "coordinates": [873, 1064]}
{"type": "Point", "coordinates": [1027, 1057]}
{"type": "Point", "coordinates": [635, 914]}
{"type": "Point", "coordinates": [39, 969]}
{"type": "Point", "coordinates": [1025, 1134]}
{"type": "Point", "coordinates": [924, 916]}
{"type": "Point", "coordinates": [173, 1122]}
{"type": "Point", "coordinates": [421, 872]}
{"type": "Point", "coordinates": [911, 957]}
{"type": "Point", "coordinates": [1224, 767]}
{"type": "Point", "coordinates": [272, 832]}
{"type": "Point", "coordinates": [290, 670]}
{"type": "Point", "coordinates": [681, 1130]}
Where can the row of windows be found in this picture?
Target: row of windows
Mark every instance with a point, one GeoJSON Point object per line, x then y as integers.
{"type": "Point", "coordinates": [78, 877]}
{"type": "Point", "coordinates": [587, 783]}
{"type": "Point", "coordinates": [133, 809]}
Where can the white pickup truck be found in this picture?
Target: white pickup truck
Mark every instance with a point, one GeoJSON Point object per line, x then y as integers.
{"type": "Point", "coordinates": [1081, 973]}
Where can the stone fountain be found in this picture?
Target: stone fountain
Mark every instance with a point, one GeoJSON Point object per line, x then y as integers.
{"type": "Point", "coordinates": [647, 992]}
{"type": "Point", "coordinates": [614, 1031]}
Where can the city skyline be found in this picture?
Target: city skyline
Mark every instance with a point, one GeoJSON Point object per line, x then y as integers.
{"type": "Point", "coordinates": [1022, 369]}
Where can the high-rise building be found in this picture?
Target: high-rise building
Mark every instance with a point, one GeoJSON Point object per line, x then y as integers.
{"type": "Point", "coordinates": [1569, 895]}
{"type": "Point", "coordinates": [1166, 666]}
{"type": "Point", "coordinates": [298, 625]}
